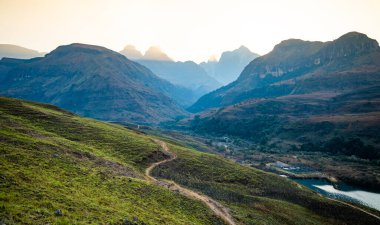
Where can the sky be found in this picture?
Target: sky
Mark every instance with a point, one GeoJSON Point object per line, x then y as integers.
{"type": "Point", "coordinates": [184, 29]}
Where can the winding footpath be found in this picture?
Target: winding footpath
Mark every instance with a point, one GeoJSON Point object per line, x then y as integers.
{"type": "Point", "coordinates": [215, 206]}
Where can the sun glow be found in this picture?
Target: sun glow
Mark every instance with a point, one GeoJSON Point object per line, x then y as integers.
{"type": "Point", "coordinates": [185, 30]}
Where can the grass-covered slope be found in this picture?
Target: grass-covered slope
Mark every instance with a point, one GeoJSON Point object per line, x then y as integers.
{"type": "Point", "coordinates": [92, 171]}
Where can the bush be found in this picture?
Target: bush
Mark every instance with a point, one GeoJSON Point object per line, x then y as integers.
{"type": "Point", "coordinates": [339, 145]}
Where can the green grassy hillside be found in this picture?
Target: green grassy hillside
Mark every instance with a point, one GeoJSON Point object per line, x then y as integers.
{"type": "Point", "coordinates": [94, 172]}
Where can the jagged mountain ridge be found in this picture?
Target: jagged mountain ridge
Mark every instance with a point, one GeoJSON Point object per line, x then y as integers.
{"type": "Point", "coordinates": [186, 74]}
{"type": "Point", "coordinates": [230, 64]}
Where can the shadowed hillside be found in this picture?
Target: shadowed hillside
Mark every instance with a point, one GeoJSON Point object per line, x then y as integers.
{"type": "Point", "coordinates": [93, 81]}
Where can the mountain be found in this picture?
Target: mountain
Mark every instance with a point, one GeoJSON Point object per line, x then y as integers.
{"type": "Point", "coordinates": [59, 168]}
{"type": "Point", "coordinates": [18, 52]}
{"type": "Point", "coordinates": [93, 81]}
{"type": "Point", "coordinates": [156, 54]}
{"type": "Point", "coordinates": [317, 101]}
{"type": "Point", "coordinates": [298, 67]}
{"type": "Point", "coordinates": [186, 74]}
{"type": "Point", "coordinates": [230, 64]}
{"type": "Point", "coordinates": [131, 52]}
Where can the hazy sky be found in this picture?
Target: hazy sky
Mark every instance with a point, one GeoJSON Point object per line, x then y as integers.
{"type": "Point", "coordinates": [184, 29]}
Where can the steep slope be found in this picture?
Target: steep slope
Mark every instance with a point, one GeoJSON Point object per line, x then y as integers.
{"type": "Point", "coordinates": [93, 81]}
{"type": "Point", "coordinates": [94, 173]}
{"type": "Point", "coordinates": [18, 52]}
{"type": "Point", "coordinates": [300, 119]}
{"type": "Point", "coordinates": [296, 67]}
{"type": "Point", "coordinates": [185, 74]}
{"type": "Point", "coordinates": [230, 64]}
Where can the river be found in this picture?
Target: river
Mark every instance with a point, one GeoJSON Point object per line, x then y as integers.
{"type": "Point", "coordinates": [345, 192]}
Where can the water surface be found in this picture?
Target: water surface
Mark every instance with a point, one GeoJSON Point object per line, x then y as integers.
{"type": "Point", "coordinates": [345, 192]}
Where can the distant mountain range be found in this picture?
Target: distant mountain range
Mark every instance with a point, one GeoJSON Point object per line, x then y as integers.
{"type": "Point", "coordinates": [298, 67]}
{"type": "Point", "coordinates": [230, 64]}
{"type": "Point", "coordinates": [302, 95]}
{"type": "Point", "coordinates": [14, 51]}
{"type": "Point", "coordinates": [186, 74]}
{"type": "Point", "coordinates": [93, 81]}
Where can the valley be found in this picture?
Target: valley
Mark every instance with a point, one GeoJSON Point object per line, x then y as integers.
{"type": "Point", "coordinates": [96, 168]}
{"type": "Point", "coordinates": [94, 136]}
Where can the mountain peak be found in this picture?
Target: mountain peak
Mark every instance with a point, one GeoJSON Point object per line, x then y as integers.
{"type": "Point", "coordinates": [350, 44]}
{"type": "Point", "coordinates": [242, 48]}
{"type": "Point", "coordinates": [155, 53]}
{"type": "Point", "coordinates": [79, 48]}
{"type": "Point", "coordinates": [212, 59]}
{"type": "Point", "coordinates": [354, 34]}
{"type": "Point", "coordinates": [289, 43]}
{"type": "Point", "coordinates": [131, 52]}
{"type": "Point", "coordinates": [294, 50]}
{"type": "Point", "coordinates": [356, 38]}
{"type": "Point", "coordinates": [83, 46]}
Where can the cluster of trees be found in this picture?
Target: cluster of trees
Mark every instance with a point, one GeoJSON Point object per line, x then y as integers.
{"type": "Point", "coordinates": [260, 126]}
{"type": "Point", "coordinates": [339, 145]}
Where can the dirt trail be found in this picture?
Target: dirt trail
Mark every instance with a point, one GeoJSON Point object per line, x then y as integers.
{"type": "Point", "coordinates": [215, 206]}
